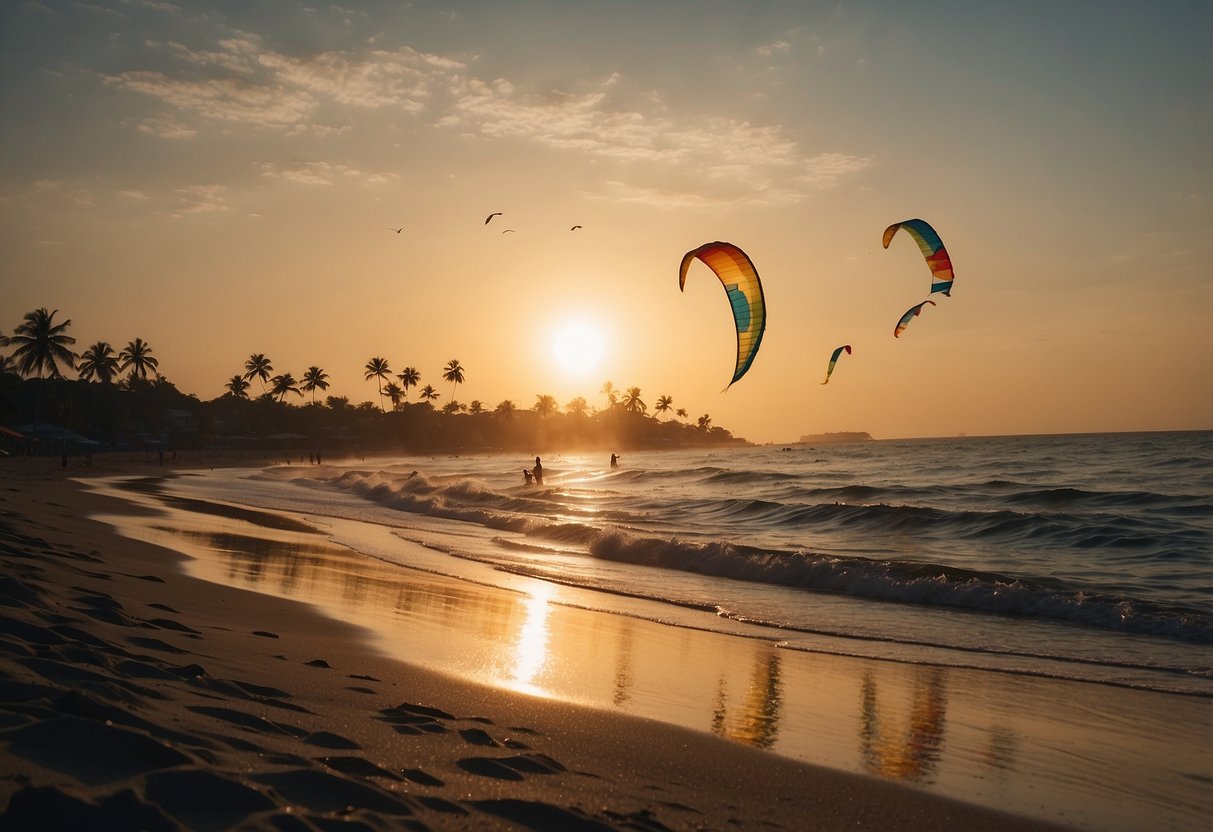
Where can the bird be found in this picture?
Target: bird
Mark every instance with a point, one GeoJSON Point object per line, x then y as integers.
{"type": "Point", "coordinates": [398, 230]}
{"type": "Point", "coordinates": [490, 216]}
{"type": "Point", "coordinates": [507, 231]}
{"type": "Point", "coordinates": [574, 228]}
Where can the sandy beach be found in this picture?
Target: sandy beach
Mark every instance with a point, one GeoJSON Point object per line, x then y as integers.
{"type": "Point", "coordinates": [137, 696]}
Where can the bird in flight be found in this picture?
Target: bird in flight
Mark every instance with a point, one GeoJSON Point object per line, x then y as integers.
{"type": "Point", "coordinates": [398, 230]}
{"type": "Point", "coordinates": [574, 228]}
{"type": "Point", "coordinates": [490, 216]}
{"type": "Point", "coordinates": [507, 231]}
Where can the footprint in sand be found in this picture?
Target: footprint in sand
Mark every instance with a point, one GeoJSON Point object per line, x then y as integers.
{"type": "Point", "coordinates": [265, 634]}
{"type": "Point", "coordinates": [318, 663]}
{"type": "Point", "coordinates": [511, 768]}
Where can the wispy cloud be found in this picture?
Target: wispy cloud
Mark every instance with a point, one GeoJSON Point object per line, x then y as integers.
{"type": "Point", "coordinates": [322, 173]}
{"type": "Point", "coordinates": [240, 80]}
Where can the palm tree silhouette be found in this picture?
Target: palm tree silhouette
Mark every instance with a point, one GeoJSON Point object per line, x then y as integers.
{"type": "Point", "coordinates": [705, 422]}
{"type": "Point", "coordinates": [377, 368]}
{"type": "Point", "coordinates": [42, 344]}
{"type": "Point", "coordinates": [632, 402]}
{"type": "Point", "coordinates": [608, 390]}
{"type": "Point", "coordinates": [237, 386]}
{"type": "Point", "coordinates": [99, 362]}
{"type": "Point", "coordinates": [577, 407]}
{"type": "Point", "coordinates": [258, 366]}
{"type": "Point", "coordinates": [454, 374]}
{"type": "Point", "coordinates": [137, 355]}
{"type": "Point", "coordinates": [476, 406]}
{"type": "Point", "coordinates": [545, 405]}
{"type": "Point", "coordinates": [664, 404]}
{"type": "Point", "coordinates": [394, 393]}
{"type": "Point", "coordinates": [428, 393]}
{"type": "Point", "coordinates": [681, 413]}
{"type": "Point", "coordinates": [408, 378]}
{"type": "Point", "coordinates": [505, 410]}
{"type": "Point", "coordinates": [283, 384]}
{"type": "Point", "coordinates": [315, 379]}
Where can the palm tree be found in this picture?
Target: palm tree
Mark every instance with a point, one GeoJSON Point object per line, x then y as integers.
{"type": "Point", "coordinates": [454, 374]}
{"type": "Point", "coordinates": [237, 387]}
{"type": "Point", "coordinates": [315, 379]}
{"type": "Point", "coordinates": [705, 422]}
{"type": "Point", "coordinates": [283, 384]}
{"type": "Point", "coordinates": [505, 410]}
{"type": "Point", "coordinates": [664, 404]}
{"type": "Point", "coordinates": [394, 393]}
{"type": "Point", "coordinates": [377, 368]}
{"type": "Point", "coordinates": [137, 355]}
{"type": "Point", "coordinates": [632, 402]}
{"type": "Point", "coordinates": [258, 366]}
{"type": "Point", "coordinates": [476, 406]}
{"type": "Point", "coordinates": [99, 362]}
{"type": "Point", "coordinates": [42, 344]}
{"type": "Point", "coordinates": [608, 390]}
{"type": "Point", "coordinates": [428, 393]}
{"type": "Point", "coordinates": [545, 405]}
{"type": "Point", "coordinates": [681, 413]}
{"type": "Point", "coordinates": [577, 407]}
{"type": "Point", "coordinates": [408, 378]}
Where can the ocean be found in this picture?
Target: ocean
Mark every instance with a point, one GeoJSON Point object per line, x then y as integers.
{"type": "Point", "coordinates": [1010, 577]}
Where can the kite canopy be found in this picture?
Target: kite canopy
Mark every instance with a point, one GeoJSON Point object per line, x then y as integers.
{"type": "Point", "coordinates": [834, 360]}
{"type": "Point", "coordinates": [912, 312]}
{"type": "Point", "coordinates": [932, 249]}
{"type": "Point", "coordinates": [740, 280]}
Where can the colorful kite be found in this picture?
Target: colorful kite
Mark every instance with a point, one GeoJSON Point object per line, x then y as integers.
{"type": "Point", "coordinates": [834, 360]}
{"type": "Point", "coordinates": [740, 279]}
{"type": "Point", "coordinates": [932, 249]}
{"type": "Point", "coordinates": [912, 312]}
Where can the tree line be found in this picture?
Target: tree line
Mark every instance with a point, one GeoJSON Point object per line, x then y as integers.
{"type": "Point", "coordinates": [121, 400]}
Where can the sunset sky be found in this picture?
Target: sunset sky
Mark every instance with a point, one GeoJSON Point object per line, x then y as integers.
{"type": "Point", "coordinates": [224, 178]}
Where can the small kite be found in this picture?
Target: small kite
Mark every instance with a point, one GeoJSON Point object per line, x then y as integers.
{"type": "Point", "coordinates": [912, 312]}
{"type": "Point", "coordinates": [932, 249]}
{"type": "Point", "coordinates": [737, 274]}
{"type": "Point", "coordinates": [490, 216]}
{"type": "Point", "coordinates": [574, 228]}
{"type": "Point", "coordinates": [834, 360]}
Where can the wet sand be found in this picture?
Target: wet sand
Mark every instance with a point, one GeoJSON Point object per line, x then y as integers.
{"type": "Point", "coordinates": [137, 695]}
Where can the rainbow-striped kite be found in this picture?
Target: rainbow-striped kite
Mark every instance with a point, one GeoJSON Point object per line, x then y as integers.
{"type": "Point", "coordinates": [740, 279]}
{"type": "Point", "coordinates": [834, 360]}
{"type": "Point", "coordinates": [932, 249]}
{"type": "Point", "coordinates": [912, 312]}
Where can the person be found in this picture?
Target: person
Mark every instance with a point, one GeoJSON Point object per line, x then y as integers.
{"type": "Point", "coordinates": [538, 472]}
{"type": "Point", "coordinates": [614, 461]}
{"type": "Point", "coordinates": [526, 475]}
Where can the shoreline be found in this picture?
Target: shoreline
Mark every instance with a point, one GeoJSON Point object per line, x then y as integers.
{"type": "Point", "coordinates": [131, 684]}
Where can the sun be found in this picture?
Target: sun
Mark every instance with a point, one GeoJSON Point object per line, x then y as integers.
{"type": "Point", "coordinates": [577, 346]}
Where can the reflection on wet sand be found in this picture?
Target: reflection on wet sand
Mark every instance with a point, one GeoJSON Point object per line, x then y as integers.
{"type": "Point", "coordinates": [756, 721]}
{"type": "Point", "coordinates": [1008, 742]}
{"type": "Point", "coordinates": [913, 752]}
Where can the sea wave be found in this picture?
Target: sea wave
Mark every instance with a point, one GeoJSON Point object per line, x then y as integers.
{"type": "Point", "coordinates": [620, 536]}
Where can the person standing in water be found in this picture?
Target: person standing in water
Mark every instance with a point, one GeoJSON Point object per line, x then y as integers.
{"type": "Point", "coordinates": [538, 472]}
{"type": "Point", "coordinates": [614, 461]}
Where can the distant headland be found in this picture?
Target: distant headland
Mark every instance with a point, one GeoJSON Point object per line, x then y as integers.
{"type": "Point", "coordinates": [835, 438]}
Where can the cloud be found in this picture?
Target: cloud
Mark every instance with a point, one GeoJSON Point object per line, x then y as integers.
{"type": "Point", "coordinates": [322, 173]}
{"type": "Point", "coordinates": [200, 199]}
{"type": "Point", "coordinates": [241, 81]}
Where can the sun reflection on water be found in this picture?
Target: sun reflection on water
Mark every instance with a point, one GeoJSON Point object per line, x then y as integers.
{"type": "Point", "coordinates": [531, 649]}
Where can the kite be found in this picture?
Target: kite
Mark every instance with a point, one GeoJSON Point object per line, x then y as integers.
{"type": "Point", "coordinates": [737, 274]}
{"type": "Point", "coordinates": [574, 228]}
{"type": "Point", "coordinates": [912, 312]}
{"type": "Point", "coordinates": [490, 216]}
{"type": "Point", "coordinates": [932, 248]}
{"type": "Point", "coordinates": [834, 360]}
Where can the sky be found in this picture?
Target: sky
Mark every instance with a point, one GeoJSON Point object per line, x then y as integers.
{"type": "Point", "coordinates": [225, 178]}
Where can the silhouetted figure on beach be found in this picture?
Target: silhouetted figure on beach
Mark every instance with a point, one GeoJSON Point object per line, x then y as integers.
{"type": "Point", "coordinates": [527, 476]}
{"type": "Point", "coordinates": [614, 461]}
{"type": "Point", "coordinates": [538, 472]}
